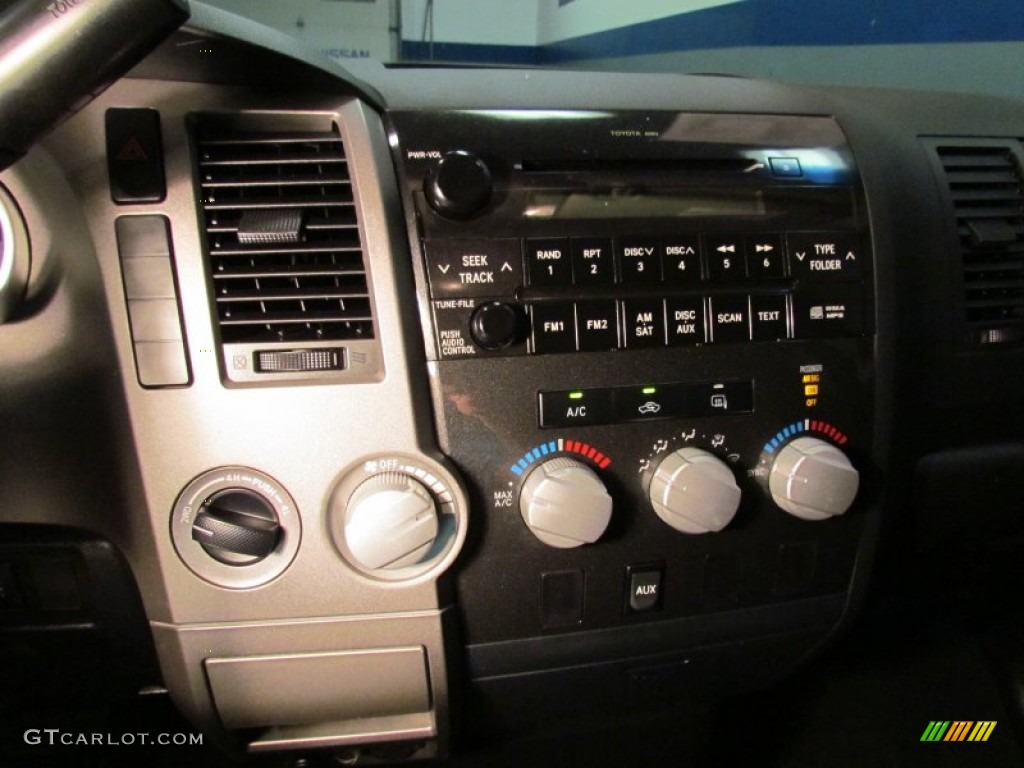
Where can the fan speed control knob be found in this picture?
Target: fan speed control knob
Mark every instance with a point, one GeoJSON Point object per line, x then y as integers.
{"type": "Point", "coordinates": [812, 479]}
{"type": "Point", "coordinates": [390, 521]}
{"type": "Point", "coordinates": [694, 491]}
{"type": "Point", "coordinates": [565, 504]}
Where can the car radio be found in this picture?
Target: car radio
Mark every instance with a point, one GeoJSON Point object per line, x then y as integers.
{"type": "Point", "coordinates": [650, 342]}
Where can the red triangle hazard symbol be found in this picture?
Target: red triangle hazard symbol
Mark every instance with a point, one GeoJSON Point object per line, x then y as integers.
{"type": "Point", "coordinates": [132, 151]}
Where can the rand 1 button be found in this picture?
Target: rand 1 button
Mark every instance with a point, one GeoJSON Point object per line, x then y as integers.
{"type": "Point", "coordinates": [478, 267]}
{"type": "Point", "coordinates": [639, 259]}
{"type": "Point", "coordinates": [554, 328]}
{"type": "Point", "coordinates": [597, 325]}
{"type": "Point", "coordinates": [769, 318]}
{"type": "Point", "coordinates": [685, 319]}
{"type": "Point", "coordinates": [825, 256]}
{"type": "Point", "coordinates": [574, 408]}
{"type": "Point", "coordinates": [730, 319]}
{"type": "Point", "coordinates": [549, 262]}
{"type": "Point", "coordinates": [593, 261]}
{"type": "Point", "coordinates": [644, 323]}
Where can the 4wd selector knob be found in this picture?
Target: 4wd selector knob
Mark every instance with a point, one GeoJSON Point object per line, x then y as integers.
{"type": "Point", "coordinates": [565, 504]}
{"type": "Point", "coordinates": [458, 186]}
{"type": "Point", "coordinates": [390, 521]}
{"type": "Point", "coordinates": [812, 479]}
{"type": "Point", "coordinates": [694, 491]}
{"type": "Point", "coordinates": [236, 527]}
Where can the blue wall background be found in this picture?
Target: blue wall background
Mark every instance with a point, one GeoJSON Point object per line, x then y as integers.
{"type": "Point", "coordinates": [952, 35]}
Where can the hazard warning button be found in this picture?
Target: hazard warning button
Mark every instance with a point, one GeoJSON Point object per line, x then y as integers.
{"type": "Point", "coordinates": [135, 157]}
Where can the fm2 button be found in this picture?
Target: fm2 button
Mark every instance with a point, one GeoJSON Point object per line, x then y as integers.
{"type": "Point", "coordinates": [643, 589]}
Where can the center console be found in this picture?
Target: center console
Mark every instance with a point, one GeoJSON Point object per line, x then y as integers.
{"type": "Point", "coordinates": [650, 340]}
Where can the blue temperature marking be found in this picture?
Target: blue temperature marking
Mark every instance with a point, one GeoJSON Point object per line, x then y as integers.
{"type": "Point", "coordinates": [795, 428]}
{"type": "Point", "coordinates": [533, 455]}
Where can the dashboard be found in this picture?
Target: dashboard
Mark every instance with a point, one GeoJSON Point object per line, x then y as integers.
{"type": "Point", "coordinates": [357, 413]}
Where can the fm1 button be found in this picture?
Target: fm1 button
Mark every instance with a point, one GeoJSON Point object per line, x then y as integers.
{"type": "Point", "coordinates": [554, 328]}
{"type": "Point", "coordinates": [643, 589]}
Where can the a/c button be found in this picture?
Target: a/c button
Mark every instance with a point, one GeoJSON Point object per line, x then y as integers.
{"type": "Point", "coordinates": [572, 408]}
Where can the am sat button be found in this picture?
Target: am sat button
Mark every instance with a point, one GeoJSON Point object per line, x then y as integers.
{"type": "Point", "coordinates": [574, 408]}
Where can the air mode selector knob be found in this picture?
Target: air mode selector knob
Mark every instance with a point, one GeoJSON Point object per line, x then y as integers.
{"type": "Point", "coordinates": [565, 504]}
{"type": "Point", "coordinates": [694, 491]}
{"type": "Point", "coordinates": [812, 479]}
{"type": "Point", "coordinates": [458, 186]}
{"type": "Point", "coordinates": [390, 521]}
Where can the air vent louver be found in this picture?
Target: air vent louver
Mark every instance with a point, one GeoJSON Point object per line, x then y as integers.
{"type": "Point", "coordinates": [285, 257]}
{"type": "Point", "coordinates": [987, 190]}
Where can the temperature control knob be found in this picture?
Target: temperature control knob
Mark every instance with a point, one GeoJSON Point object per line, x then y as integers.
{"type": "Point", "coordinates": [812, 479]}
{"type": "Point", "coordinates": [694, 491]}
{"type": "Point", "coordinates": [390, 521]}
{"type": "Point", "coordinates": [565, 504]}
{"type": "Point", "coordinates": [458, 186]}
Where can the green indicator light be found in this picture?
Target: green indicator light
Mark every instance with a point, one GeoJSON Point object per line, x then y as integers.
{"type": "Point", "coordinates": [649, 390]}
{"type": "Point", "coordinates": [575, 395]}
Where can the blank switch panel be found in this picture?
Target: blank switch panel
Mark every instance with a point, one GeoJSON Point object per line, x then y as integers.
{"type": "Point", "coordinates": [147, 269]}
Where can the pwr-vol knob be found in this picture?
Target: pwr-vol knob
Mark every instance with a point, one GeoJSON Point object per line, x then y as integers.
{"type": "Point", "coordinates": [694, 491]}
{"type": "Point", "coordinates": [390, 522]}
{"type": "Point", "coordinates": [564, 503]}
{"type": "Point", "coordinates": [812, 479]}
{"type": "Point", "coordinates": [458, 186]}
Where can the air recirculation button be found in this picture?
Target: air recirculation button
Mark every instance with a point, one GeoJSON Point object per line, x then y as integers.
{"type": "Point", "coordinates": [237, 527]}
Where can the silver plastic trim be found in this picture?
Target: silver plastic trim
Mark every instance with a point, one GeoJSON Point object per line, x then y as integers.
{"type": "Point", "coordinates": [14, 256]}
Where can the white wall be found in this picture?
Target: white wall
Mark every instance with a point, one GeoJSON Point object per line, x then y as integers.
{"type": "Point", "coordinates": [340, 29]}
{"type": "Point", "coordinates": [487, 22]}
{"type": "Point", "coordinates": [990, 68]}
{"type": "Point", "coordinates": [584, 17]}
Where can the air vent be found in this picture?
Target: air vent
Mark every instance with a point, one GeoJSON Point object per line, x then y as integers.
{"type": "Point", "coordinates": [987, 190]}
{"type": "Point", "coordinates": [285, 259]}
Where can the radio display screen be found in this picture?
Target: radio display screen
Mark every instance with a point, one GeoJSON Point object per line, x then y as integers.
{"type": "Point", "coordinates": [624, 203]}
